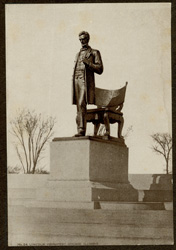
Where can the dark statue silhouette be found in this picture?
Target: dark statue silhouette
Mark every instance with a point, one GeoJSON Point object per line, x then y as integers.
{"type": "Point", "coordinates": [109, 102]}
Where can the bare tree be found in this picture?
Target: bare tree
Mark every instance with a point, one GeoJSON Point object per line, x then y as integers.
{"type": "Point", "coordinates": [32, 132]}
{"type": "Point", "coordinates": [128, 132]}
{"type": "Point", "coordinates": [163, 146]}
{"type": "Point", "coordinates": [102, 130]}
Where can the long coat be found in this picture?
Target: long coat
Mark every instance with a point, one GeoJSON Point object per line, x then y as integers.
{"type": "Point", "coordinates": [95, 65]}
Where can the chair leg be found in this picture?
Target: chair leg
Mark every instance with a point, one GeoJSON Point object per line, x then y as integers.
{"type": "Point", "coordinates": [106, 123]}
{"type": "Point", "coordinates": [96, 128]}
{"type": "Point", "coordinates": [120, 127]}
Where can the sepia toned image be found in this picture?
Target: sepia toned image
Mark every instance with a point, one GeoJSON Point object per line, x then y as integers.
{"type": "Point", "coordinates": [89, 124]}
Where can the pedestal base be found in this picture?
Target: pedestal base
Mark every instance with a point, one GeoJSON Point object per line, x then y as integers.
{"type": "Point", "coordinates": [89, 169]}
{"type": "Point", "coordinates": [87, 191]}
{"type": "Point", "coordinates": [89, 158]}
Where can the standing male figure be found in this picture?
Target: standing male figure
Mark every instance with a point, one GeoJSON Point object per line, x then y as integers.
{"type": "Point", "coordinates": [87, 62]}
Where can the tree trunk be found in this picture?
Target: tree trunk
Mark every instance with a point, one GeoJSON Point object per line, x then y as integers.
{"type": "Point", "coordinates": [167, 167]}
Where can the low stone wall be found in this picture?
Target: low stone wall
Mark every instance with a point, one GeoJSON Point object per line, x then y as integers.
{"type": "Point", "coordinates": [138, 181]}
{"type": "Point", "coordinates": [34, 220]}
{"type": "Point", "coordinates": [26, 180]}
{"type": "Point", "coordinates": [32, 186]}
{"type": "Point", "coordinates": [144, 181]}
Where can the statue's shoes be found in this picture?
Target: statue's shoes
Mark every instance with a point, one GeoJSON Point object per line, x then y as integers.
{"type": "Point", "coordinates": [80, 134]}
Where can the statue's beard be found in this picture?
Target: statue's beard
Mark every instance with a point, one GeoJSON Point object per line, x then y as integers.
{"type": "Point", "coordinates": [85, 45]}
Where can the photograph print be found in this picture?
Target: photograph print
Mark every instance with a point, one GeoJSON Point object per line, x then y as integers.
{"type": "Point", "coordinates": [89, 124]}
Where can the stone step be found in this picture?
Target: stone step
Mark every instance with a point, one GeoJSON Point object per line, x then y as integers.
{"type": "Point", "coordinates": [90, 205]}
{"type": "Point", "coordinates": [59, 240]}
{"type": "Point", "coordinates": [125, 192]}
{"type": "Point", "coordinates": [23, 193]}
{"type": "Point", "coordinates": [27, 226]}
{"type": "Point", "coordinates": [158, 218]}
{"type": "Point", "coordinates": [53, 204]}
{"type": "Point", "coordinates": [132, 205]}
{"type": "Point", "coordinates": [158, 195]}
{"type": "Point", "coordinates": [74, 191]}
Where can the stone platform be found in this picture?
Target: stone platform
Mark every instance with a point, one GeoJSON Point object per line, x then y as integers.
{"type": "Point", "coordinates": [87, 199]}
{"type": "Point", "coordinates": [88, 169]}
{"type": "Point", "coordinates": [35, 219]}
{"type": "Point", "coordinates": [43, 226]}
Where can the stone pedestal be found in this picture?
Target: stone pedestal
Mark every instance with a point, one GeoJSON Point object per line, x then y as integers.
{"type": "Point", "coordinates": [88, 159]}
{"type": "Point", "coordinates": [89, 169]}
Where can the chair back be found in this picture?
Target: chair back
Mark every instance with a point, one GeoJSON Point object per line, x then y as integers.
{"type": "Point", "coordinates": [110, 98]}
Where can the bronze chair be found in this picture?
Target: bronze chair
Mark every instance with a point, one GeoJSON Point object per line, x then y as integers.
{"type": "Point", "coordinates": [109, 105]}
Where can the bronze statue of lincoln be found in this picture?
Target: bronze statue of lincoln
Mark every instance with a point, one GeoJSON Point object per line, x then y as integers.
{"type": "Point", "coordinates": [88, 61]}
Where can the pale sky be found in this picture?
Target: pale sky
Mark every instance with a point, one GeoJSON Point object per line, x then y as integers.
{"type": "Point", "coordinates": [135, 44]}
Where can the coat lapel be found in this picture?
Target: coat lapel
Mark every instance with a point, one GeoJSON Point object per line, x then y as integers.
{"type": "Point", "coordinates": [76, 58]}
{"type": "Point", "coordinates": [89, 51]}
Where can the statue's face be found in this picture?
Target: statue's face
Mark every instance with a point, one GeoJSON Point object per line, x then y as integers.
{"type": "Point", "coordinates": [84, 41]}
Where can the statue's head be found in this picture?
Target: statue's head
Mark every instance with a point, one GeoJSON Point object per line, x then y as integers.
{"type": "Point", "coordinates": [84, 38]}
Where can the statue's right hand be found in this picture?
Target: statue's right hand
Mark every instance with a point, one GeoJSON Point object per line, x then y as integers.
{"type": "Point", "coordinates": [86, 61]}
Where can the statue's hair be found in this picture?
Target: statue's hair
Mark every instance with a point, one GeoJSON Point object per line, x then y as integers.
{"type": "Point", "coordinates": [85, 33]}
